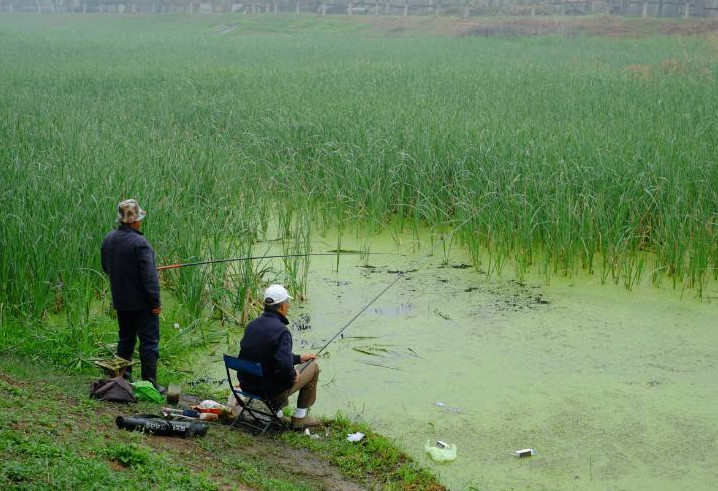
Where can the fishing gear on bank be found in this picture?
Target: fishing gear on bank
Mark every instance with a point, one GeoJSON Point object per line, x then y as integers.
{"type": "Point", "coordinates": [266, 367]}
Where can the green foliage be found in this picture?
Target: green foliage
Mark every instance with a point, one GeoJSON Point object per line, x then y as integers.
{"type": "Point", "coordinates": [129, 455]}
{"type": "Point", "coordinates": [547, 154]}
{"type": "Point", "coordinates": [64, 440]}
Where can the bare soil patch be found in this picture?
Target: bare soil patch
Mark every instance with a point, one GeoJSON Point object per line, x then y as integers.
{"type": "Point", "coordinates": [11, 381]}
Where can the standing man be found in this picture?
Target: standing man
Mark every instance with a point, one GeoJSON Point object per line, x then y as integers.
{"type": "Point", "coordinates": [268, 341]}
{"type": "Point", "coordinates": [129, 261]}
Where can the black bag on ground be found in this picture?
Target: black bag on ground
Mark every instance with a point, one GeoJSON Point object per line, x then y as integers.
{"type": "Point", "coordinates": [115, 389]}
{"type": "Point", "coordinates": [154, 425]}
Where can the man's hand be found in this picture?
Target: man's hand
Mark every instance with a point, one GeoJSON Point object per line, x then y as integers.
{"type": "Point", "coordinates": [307, 357]}
{"type": "Point", "coordinates": [157, 310]}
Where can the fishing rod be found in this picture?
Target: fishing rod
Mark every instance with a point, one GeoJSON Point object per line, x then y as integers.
{"type": "Point", "coordinates": [250, 258]}
{"type": "Point", "coordinates": [399, 276]}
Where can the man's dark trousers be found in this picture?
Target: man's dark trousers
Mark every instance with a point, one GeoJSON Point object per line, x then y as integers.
{"type": "Point", "coordinates": [145, 325]}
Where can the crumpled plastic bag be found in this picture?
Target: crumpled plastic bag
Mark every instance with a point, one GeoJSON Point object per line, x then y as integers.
{"type": "Point", "coordinates": [145, 391]}
{"type": "Point", "coordinates": [441, 453]}
{"type": "Point", "coordinates": [210, 406]}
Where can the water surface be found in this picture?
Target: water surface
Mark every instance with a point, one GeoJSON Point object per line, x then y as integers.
{"type": "Point", "coordinates": [613, 389]}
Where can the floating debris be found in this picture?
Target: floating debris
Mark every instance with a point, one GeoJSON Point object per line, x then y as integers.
{"type": "Point", "coordinates": [461, 266]}
{"type": "Point", "coordinates": [446, 407]}
{"type": "Point", "coordinates": [382, 366]}
{"type": "Point", "coordinates": [524, 452]}
{"type": "Point", "coordinates": [415, 353]}
{"type": "Point", "coordinates": [364, 351]}
{"type": "Point", "coordinates": [516, 296]}
{"type": "Point", "coordinates": [302, 322]}
{"type": "Point", "coordinates": [441, 451]}
{"type": "Point", "coordinates": [394, 310]}
{"type": "Point", "coordinates": [333, 282]}
{"type": "Point", "coordinates": [442, 315]}
{"type": "Point", "coordinates": [371, 349]}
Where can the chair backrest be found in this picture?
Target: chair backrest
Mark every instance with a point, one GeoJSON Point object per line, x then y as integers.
{"type": "Point", "coordinates": [243, 366]}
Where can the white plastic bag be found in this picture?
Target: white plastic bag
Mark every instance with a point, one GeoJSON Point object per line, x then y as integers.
{"type": "Point", "coordinates": [440, 451]}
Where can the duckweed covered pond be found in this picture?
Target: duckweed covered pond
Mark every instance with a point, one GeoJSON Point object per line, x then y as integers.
{"type": "Point", "coordinates": [613, 389]}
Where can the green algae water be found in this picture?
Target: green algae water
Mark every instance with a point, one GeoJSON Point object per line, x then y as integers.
{"type": "Point", "coordinates": [613, 389]}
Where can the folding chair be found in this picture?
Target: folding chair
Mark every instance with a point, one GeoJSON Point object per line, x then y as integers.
{"type": "Point", "coordinates": [256, 419]}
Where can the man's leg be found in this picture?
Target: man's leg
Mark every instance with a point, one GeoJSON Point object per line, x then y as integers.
{"type": "Point", "coordinates": [306, 384]}
{"type": "Point", "coordinates": [127, 322]}
{"type": "Point", "coordinates": [149, 334]}
{"type": "Point", "coordinates": [307, 381]}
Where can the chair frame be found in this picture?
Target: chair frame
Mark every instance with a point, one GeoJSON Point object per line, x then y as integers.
{"type": "Point", "coordinates": [257, 420]}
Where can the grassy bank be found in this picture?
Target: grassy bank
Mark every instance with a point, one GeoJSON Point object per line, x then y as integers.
{"type": "Point", "coordinates": [53, 436]}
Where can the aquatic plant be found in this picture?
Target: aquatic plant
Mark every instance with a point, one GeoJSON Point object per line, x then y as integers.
{"type": "Point", "coordinates": [546, 154]}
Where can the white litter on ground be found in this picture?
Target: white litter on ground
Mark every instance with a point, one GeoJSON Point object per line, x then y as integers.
{"type": "Point", "coordinates": [355, 437]}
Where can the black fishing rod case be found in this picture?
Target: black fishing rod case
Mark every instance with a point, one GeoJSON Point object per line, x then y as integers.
{"type": "Point", "coordinates": [156, 425]}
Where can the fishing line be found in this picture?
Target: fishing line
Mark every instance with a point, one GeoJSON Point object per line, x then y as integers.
{"type": "Point", "coordinates": [216, 261]}
{"type": "Point", "coordinates": [399, 275]}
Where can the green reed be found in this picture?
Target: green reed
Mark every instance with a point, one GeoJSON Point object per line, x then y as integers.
{"type": "Point", "coordinates": [550, 155]}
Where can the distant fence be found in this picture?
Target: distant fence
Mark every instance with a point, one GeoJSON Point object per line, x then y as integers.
{"type": "Point", "coordinates": [458, 8]}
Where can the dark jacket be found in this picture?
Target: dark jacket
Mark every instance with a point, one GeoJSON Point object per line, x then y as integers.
{"type": "Point", "coordinates": [268, 341]}
{"type": "Point", "coordinates": [129, 261]}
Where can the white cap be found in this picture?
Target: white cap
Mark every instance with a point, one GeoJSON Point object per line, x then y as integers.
{"type": "Point", "coordinates": [276, 294]}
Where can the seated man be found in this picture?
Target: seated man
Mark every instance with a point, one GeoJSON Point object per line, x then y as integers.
{"type": "Point", "coordinates": [268, 341]}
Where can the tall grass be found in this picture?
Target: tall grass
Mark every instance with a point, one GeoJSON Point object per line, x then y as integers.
{"type": "Point", "coordinates": [550, 154]}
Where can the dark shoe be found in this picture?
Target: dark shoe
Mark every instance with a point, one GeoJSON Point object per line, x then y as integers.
{"type": "Point", "coordinates": [149, 373]}
{"type": "Point", "coordinates": [305, 422]}
{"type": "Point", "coordinates": [161, 389]}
